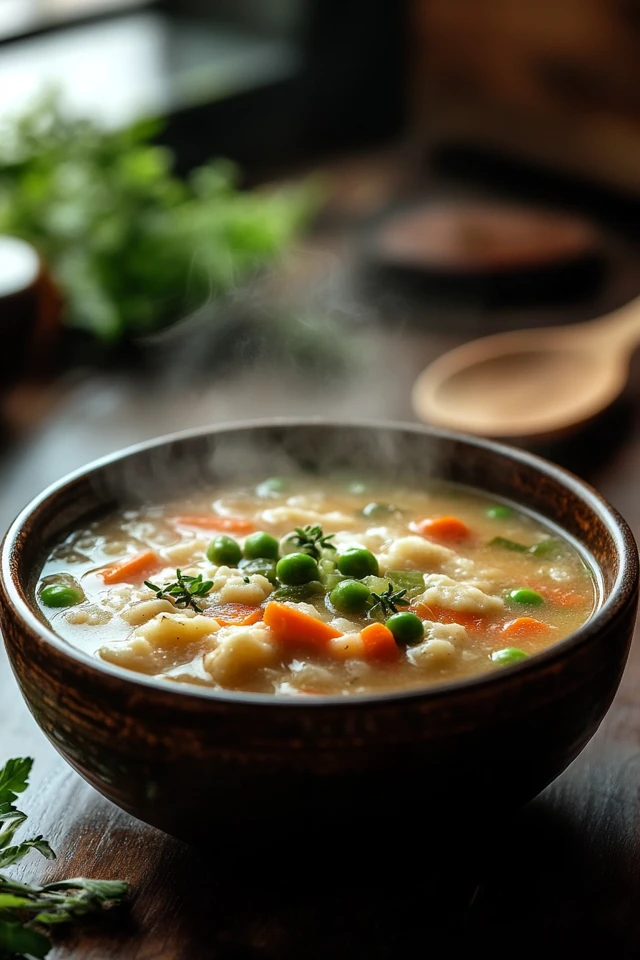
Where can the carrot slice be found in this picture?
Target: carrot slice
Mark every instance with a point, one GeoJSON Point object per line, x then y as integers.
{"type": "Point", "coordinates": [379, 643]}
{"type": "Point", "coordinates": [131, 568]}
{"type": "Point", "coordinates": [563, 598]}
{"type": "Point", "coordinates": [214, 522]}
{"type": "Point", "coordinates": [525, 627]}
{"type": "Point", "coordinates": [295, 627]}
{"type": "Point", "coordinates": [234, 614]}
{"type": "Point", "coordinates": [442, 528]}
{"type": "Point", "coordinates": [470, 621]}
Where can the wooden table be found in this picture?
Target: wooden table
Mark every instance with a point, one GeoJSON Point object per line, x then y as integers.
{"type": "Point", "coordinates": [563, 878]}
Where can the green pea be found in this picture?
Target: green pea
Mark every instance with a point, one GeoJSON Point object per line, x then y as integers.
{"type": "Point", "coordinates": [261, 546]}
{"type": "Point", "coordinates": [266, 568]}
{"type": "Point", "coordinates": [297, 568]}
{"type": "Point", "coordinates": [57, 595]}
{"type": "Point", "coordinates": [224, 550]}
{"type": "Point", "coordinates": [406, 628]}
{"type": "Point", "coordinates": [508, 655]}
{"type": "Point", "coordinates": [271, 487]}
{"type": "Point", "coordinates": [377, 511]}
{"type": "Point", "coordinates": [499, 512]}
{"type": "Point", "coordinates": [526, 596]}
{"type": "Point", "coordinates": [358, 563]}
{"type": "Point", "coordinates": [350, 596]}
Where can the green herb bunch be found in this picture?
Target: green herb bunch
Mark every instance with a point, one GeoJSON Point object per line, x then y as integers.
{"type": "Point", "coordinates": [311, 540]}
{"type": "Point", "coordinates": [130, 245]}
{"type": "Point", "coordinates": [388, 602]}
{"type": "Point", "coordinates": [182, 591]}
{"type": "Point", "coordinates": [26, 912]}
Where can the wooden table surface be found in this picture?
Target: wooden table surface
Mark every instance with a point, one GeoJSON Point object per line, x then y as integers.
{"type": "Point", "coordinates": [562, 878]}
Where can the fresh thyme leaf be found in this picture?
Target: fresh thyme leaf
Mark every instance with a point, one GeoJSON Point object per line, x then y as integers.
{"type": "Point", "coordinates": [389, 601]}
{"type": "Point", "coordinates": [311, 540]}
{"type": "Point", "coordinates": [183, 590]}
{"type": "Point", "coordinates": [25, 909]}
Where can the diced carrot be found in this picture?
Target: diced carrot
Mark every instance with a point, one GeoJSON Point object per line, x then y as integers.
{"type": "Point", "coordinates": [379, 643]}
{"type": "Point", "coordinates": [295, 627]}
{"type": "Point", "coordinates": [212, 521]}
{"type": "Point", "coordinates": [442, 528]}
{"type": "Point", "coordinates": [234, 614]}
{"type": "Point", "coordinates": [525, 627]}
{"type": "Point", "coordinates": [131, 568]}
{"type": "Point", "coordinates": [470, 621]}
{"type": "Point", "coordinates": [562, 598]}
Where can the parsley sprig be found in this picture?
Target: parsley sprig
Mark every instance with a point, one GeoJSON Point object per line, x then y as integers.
{"type": "Point", "coordinates": [312, 540]}
{"type": "Point", "coordinates": [182, 591]}
{"type": "Point", "coordinates": [388, 602]}
{"type": "Point", "coordinates": [27, 911]}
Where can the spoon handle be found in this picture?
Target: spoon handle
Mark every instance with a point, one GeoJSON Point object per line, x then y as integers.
{"type": "Point", "coordinates": [619, 328]}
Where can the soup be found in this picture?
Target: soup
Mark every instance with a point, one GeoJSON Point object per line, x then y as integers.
{"type": "Point", "coordinates": [303, 587]}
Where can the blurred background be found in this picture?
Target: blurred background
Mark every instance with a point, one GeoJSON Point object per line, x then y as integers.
{"type": "Point", "coordinates": [214, 210]}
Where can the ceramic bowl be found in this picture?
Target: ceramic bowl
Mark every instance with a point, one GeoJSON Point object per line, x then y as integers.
{"type": "Point", "coordinates": [189, 760]}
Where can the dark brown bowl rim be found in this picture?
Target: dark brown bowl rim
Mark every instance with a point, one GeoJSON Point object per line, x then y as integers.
{"type": "Point", "coordinates": [620, 594]}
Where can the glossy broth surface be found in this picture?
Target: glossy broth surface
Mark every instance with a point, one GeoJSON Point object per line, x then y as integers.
{"type": "Point", "coordinates": [448, 584]}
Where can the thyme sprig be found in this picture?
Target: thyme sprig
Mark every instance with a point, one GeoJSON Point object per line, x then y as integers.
{"type": "Point", "coordinates": [182, 591]}
{"type": "Point", "coordinates": [27, 911]}
{"type": "Point", "coordinates": [312, 540]}
{"type": "Point", "coordinates": [388, 602]}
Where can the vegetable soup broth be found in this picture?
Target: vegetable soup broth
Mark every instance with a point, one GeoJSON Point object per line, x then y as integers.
{"type": "Point", "coordinates": [308, 587]}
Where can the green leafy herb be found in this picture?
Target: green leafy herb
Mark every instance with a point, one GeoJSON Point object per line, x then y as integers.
{"type": "Point", "coordinates": [131, 246]}
{"type": "Point", "coordinates": [388, 602]}
{"type": "Point", "coordinates": [26, 911]}
{"type": "Point", "coordinates": [311, 540]}
{"type": "Point", "coordinates": [182, 592]}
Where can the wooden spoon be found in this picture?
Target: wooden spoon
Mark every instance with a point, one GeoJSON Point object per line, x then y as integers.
{"type": "Point", "coordinates": [531, 383]}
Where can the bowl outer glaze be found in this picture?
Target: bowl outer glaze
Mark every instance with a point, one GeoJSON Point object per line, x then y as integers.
{"type": "Point", "coordinates": [497, 739]}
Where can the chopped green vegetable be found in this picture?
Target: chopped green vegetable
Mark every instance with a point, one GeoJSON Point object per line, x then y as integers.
{"type": "Point", "coordinates": [266, 568]}
{"type": "Point", "coordinates": [302, 592]}
{"type": "Point", "coordinates": [406, 628]}
{"type": "Point", "coordinates": [224, 550]}
{"type": "Point", "coordinates": [410, 580]}
{"type": "Point", "coordinates": [350, 596]}
{"type": "Point", "coordinates": [499, 512]}
{"type": "Point", "coordinates": [526, 596]}
{"type": "Point", "coordinates": [508, 655]}
{"type": "Point", "coordinates": [57, 595]}
{"type": "Point", "coordinates": [130, 245]}
{"type": "Point", "coordinates": [296, 569]}
{"type": "Point", "coordinates": [26, 911]}
{"type": "Point", "coordinates": [261, 546]}
{"type": "Point", "coordinates": [546, 548]}
{"type": "Point", "coordinates": [508, 544]}
{"type": "Point", "coordinates": [377, 584]}
{"type": "Point", "coordinates": [182, 592]}
{"type": "Point", "coordinates": [357, 562]}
